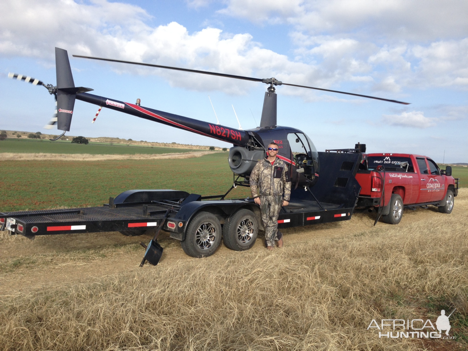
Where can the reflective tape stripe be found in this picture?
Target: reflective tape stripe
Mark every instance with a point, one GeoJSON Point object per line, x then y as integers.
{"type": "Point", "coordinates": [313, 218]}
{"type": "Point", "coordinates": [340, 215]}
{"type": "Point", "coordinates": [284, 221]}
{"type": "Point", "coordinates": [144, 224]}
{"type": "Point", "coordinates": [66, 227]}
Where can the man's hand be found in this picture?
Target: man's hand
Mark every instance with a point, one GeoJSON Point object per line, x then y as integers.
{"type": "Point", "coordinates": [257, 201]}
{"type": "Point", "coordinates": [285, 203]}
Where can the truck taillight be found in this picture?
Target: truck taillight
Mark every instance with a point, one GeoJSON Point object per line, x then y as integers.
{"type": "Point", "coordinates": [376, 184]}
{"type": "Point", "coordinates": [20, 228]}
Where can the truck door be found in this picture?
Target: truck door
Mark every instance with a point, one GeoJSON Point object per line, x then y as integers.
{"type": "Point", "coordinates": [424, 194]}
{"type": "Point", "coordinates": [436, 183]}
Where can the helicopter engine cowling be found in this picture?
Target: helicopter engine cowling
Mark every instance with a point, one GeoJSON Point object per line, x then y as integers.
{"type": "Point", "coordinates": [242, 161]}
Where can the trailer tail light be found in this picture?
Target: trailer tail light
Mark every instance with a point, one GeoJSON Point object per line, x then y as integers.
{"type": "Point", "coordinates": [20, 228]}
{"type": "Point", "coordinates": [34, 229]}
{"type": "Point", "coordinates": [171, 225]}
{"type": "Point", "coordinates": [376, 185]}
{"type": "Point", "coordinates": [2, 223]}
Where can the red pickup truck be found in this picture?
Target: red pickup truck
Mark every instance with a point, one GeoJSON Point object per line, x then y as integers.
{"type": "Point", "coordinates": [390, 182]}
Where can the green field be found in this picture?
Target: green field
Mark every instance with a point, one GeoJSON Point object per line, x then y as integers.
{"type": "Point", "coordinates": [462, 174]}
{"type": "Point", "coordinates": [62, 147]}
{"type": "Point", "coordinates": [50, 184]}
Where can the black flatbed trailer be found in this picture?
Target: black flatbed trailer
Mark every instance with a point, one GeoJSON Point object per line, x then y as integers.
{"type": "Point", "coordinates": [200, 222]}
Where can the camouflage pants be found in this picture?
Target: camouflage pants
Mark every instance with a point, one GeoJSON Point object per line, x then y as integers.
{"type": "Point", "coordinates": [270, 206]}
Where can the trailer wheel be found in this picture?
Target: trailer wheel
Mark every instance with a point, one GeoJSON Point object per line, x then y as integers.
{"type": "Point", "coordinates": [396, 210]}
{"type": "Point", "coordinates": [134, 232]}
{"type": "Point", "coordinates": [449, 201]}
{"type": "Point", "coordinates": [203, 235]}
{"type": "Point", "coordinates": [240, 231]}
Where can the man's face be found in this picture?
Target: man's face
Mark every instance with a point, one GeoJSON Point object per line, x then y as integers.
{"type": "Point", "coordinates": [272, 150]}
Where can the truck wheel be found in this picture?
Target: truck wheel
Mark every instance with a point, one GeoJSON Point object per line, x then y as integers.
{"type": "Point", "coordinates": [203, 235]}
{"type": "Point", "coordinates": [240, 231]}
{"type": "Point", "coordinates": [396, 210]}
{"type": "Point", "coordinates": [449, 202]}
{"type": "Point", "coordinates": [134, 232]}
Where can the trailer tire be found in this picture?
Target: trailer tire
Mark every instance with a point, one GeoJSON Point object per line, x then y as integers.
{"type": "Point", "coordinates": [203, 235]}
{"type": "Point", "coordinates": [134, 232]}
{"type": "Point", "coordinates": [240, 230]}
{"type": "Point", "coordinates": [396, 210]}
{"type": "Point", "coordinates": [449, 202]}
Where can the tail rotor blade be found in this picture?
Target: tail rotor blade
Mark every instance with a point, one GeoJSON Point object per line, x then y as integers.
{"type": "Point", "coordinates": [53, 120]}
{"type": "Point", "coordinates": [26, 79]}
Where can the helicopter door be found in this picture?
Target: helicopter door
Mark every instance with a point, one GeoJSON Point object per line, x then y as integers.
{"type": "Point", "coordinates": [305, 155]}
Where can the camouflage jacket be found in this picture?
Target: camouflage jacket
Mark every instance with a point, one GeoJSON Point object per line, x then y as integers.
{"type": "Point", "coordinates": [267, 179]}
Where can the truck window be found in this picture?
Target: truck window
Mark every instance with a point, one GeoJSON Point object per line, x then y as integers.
{"type": "Point", "coordinates": [422, 165]}
{"type": "Point", "coordinates": [433, 166]}
{"type": "Point", "coordinates": [391, 163]}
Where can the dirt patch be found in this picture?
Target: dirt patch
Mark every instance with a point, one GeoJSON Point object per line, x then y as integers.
{"type": "Point", "coordinates": [6, 156]}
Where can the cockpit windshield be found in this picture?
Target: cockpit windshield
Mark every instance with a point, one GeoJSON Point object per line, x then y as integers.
{"type": "Point", "coordinates": [301, 145]}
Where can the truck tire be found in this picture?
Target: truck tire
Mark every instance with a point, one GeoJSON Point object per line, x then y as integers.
{"type": "Point", "coordinates": [396, 210]}
{"type": "Point", "coordinates": [240, 230]}
{"type": "Point", "coordinates": [203, 235]}
{"type": "Point", "coordinates": [134, 232]}
{"type": "Point", "coordinates": [449, 201]}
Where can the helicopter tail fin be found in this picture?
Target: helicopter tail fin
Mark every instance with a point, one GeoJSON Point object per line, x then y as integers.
{"type": "Point", "coordinates": [66, 90]}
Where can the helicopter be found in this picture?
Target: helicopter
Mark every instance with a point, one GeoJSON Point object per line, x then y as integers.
{"type": "Point", "coordinates": [295, 147]}
{"type": "Point", "coordinates": [324, 188]}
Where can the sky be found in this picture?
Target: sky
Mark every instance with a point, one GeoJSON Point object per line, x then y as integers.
{"type": "Point", "coordinates": [413, 51]}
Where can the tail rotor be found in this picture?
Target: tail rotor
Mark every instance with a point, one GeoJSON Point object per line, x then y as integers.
{"type": "Point", "coordinates": [64, 92]}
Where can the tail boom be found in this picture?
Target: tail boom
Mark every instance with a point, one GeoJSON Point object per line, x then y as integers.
{"type": "Point", "coordinates": [215, 131]}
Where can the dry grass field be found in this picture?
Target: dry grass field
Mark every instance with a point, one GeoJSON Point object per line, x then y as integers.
{"type": "Point", "coordinates": [320, 292]}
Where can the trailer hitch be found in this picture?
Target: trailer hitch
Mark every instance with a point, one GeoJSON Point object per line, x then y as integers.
{"type": "Point", "coordinates": [153, 249]}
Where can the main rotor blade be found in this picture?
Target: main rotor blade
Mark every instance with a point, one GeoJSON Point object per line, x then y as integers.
{"type": "Point", "coordinates": [174, 68]}
{"type": "Point", "coordinates": [272, 81]}
{"type": "Point", "coordinates": [343, 92]}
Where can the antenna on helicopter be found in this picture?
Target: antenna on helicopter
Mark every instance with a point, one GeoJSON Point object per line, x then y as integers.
{"type": "Point", "coordinates": [217, 120]}
{"type": "Point", "coordinates": [256, 124]}
{"type": "Point", "coordinates": [240, 127]}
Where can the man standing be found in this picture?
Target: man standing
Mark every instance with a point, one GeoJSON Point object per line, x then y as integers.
{"type": "Point", "coordinates": [271, 189]}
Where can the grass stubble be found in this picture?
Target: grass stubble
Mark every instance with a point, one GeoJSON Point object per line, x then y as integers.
{"type": "Point", "coordinates": [320, 294]}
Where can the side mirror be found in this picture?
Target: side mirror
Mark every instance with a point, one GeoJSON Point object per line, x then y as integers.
{"type": "Point", "coordinates": [380, 168]}
{"type": "Point", "coordinates": [448, 171]}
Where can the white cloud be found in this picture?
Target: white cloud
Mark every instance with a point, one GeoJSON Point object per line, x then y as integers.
{"type": "Point", "coordinates": [413, 119]}
{"type": "Point", "coordinates": [425, 20]}
{"type": "Point", "coordinates": [273, 11]}
{"type": "Point", "coordinates": [119, 31]}
{"type": "Point", "coordinates": [397, 43]}
{"type": "Point", "coordinates": [198, 3]}
{"type": "Point", "coordinates": [446, 62]}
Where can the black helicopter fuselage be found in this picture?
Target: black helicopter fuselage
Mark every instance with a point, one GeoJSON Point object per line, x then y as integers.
{"type": "Point", "coordinates": [249, 146]}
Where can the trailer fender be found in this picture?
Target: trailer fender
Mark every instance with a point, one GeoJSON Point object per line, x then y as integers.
{"type": "Point", "coordinates": [221, 209]}
{"type": "Point", "coordinates": [148, 195]}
